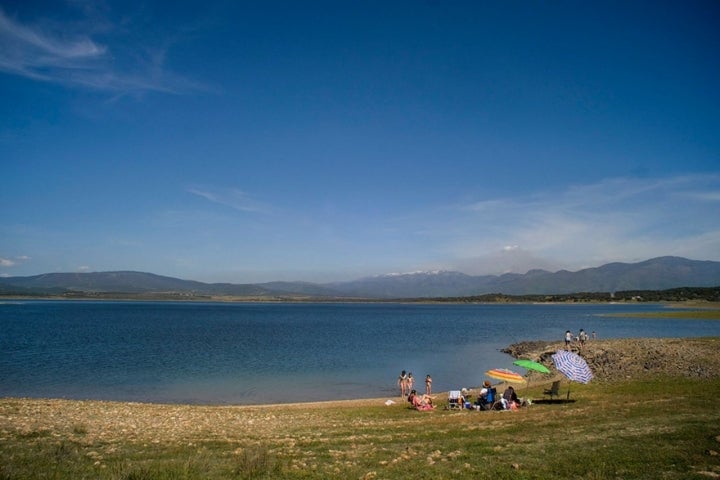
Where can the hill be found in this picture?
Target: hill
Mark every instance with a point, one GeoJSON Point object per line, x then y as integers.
{"type": "Point", "coordinates": [660, 273]}
{"type": "Point", "coordinates": [655, 274]}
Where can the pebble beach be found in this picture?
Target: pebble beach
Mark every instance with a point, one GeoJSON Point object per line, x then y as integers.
{"type": "Point", "coordinates": [111, 422]}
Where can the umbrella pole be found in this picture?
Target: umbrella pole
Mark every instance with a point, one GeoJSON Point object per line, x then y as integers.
{"type": "Point", "coordinates": [527, 385]}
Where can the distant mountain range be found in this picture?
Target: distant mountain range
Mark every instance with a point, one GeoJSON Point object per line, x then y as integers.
{"type": "Point", "coordinates": [660, 273]}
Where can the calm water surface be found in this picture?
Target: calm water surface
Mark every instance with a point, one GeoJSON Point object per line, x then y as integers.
{"type": "Point", "coordinates": [216, 353]}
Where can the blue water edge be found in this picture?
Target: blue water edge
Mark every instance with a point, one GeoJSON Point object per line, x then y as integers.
{"type": "Point", "coordinates": [254, 353]}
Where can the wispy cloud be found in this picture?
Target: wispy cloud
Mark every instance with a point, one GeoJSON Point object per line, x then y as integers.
{"type": "Point", "coordinates": [30, 52]}
{"type": "Point", "coordinates": [5, 262]}
{"type": "Point", "coordinates": [619, 219]}
{"type": "Point", "coordinates": [706, 196]}
{"type": "Point", "coordinates": [233, 198]}
{"type": "Point", "coordinates": [8, 262]}
{"type": "Point", "coordinates": [73, 58]}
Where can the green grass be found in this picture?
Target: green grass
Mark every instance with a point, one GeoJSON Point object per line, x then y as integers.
{"type": "Point", "coordinates": [659, 428]}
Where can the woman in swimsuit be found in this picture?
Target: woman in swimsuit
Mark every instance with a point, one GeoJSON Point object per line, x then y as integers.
{"type": "Point", "coordinates": [423, 402]}
{"type": "Point", "coordinates": [402, 383]}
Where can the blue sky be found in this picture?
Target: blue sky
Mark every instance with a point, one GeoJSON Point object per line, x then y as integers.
{"type": "Point", "coordinates": [320, 141]}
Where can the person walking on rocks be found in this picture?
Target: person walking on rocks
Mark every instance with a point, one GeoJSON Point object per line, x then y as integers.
{"type": "Point", "coordinates": [583, 337]}
{"type": "Point", "coordinates": [568, 339]}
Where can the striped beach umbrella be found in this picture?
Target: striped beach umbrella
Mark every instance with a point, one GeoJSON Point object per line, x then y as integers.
{"type": "Point", "coordinates": [505, 375]}
{"type": "Point", "coordinates": [573, 366]}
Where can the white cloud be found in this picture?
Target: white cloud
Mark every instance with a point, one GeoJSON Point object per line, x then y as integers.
{"type": "Point", "coordinates": [7, 262]}
{"type": "Point", "coordinates": [233, 198]}
{"type": "Point", "coordinates": [46, 50]}
{"type": "Point", "coordinates": [707, 196]}
{"type": "Point", "coordinates": [4, 262]}
{"type": "Point", "coordinates": [59, 55]}
{"type": "Point", "coordinates": [619, 219]}
{"type": "Point", "coordinates": [36, 54]}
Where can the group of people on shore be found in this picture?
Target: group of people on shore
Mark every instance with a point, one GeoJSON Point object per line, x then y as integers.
{"type": "Point", "coordinates": [487, 398]}
{"type": "Point", "coordinates": [581, 339]}
{"type": "Point", "coordinates": [406, 382]}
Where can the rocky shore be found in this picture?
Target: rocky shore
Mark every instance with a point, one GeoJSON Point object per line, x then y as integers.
{"type": "Point", "coordinates": [618, 359]}
{"type": "Point", "coordinates": [112, 422]}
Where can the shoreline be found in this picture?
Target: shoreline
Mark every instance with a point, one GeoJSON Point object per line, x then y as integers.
{"type": "Point", "coordinates": [628, 429]}
{"type": "Point", "coordinates": [226, 375]}
{"type": "Point", "coordinates": [691, 303]}
{"type": "Point", "coordinates": [367, 439]}
{"type": "Point", "coordinates": [611, 360]}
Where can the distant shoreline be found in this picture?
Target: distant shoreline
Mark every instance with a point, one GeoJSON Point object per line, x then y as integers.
{"type": "Point", "coordinates": [698, 304]}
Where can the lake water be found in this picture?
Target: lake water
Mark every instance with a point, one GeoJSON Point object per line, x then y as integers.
{"type": "Point", "coordinates": [227, 353]}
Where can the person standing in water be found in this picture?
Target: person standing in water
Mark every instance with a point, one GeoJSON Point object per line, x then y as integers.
{"type": "Point", "coordinates": [428, 384]}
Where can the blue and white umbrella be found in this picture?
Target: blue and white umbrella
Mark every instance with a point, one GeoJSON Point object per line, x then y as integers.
{"type": "Point", "coordinates": [573, 366]}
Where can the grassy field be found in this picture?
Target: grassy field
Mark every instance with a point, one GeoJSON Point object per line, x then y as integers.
{"type": "Point", "coordinates": [656, 428]}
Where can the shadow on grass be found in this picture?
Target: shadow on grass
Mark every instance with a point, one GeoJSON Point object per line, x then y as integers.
{"type": "Point", "coordinates": [553, 401]}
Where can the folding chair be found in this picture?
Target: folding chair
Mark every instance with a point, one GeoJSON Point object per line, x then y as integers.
{"type": "Point", "coordinates": [454, 400]}
{"type": "Point", "coordinates": [554, 390]}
